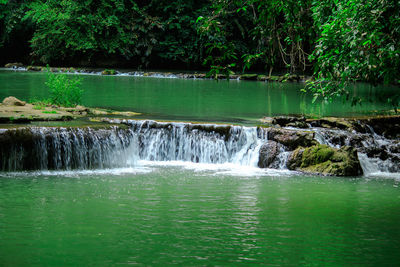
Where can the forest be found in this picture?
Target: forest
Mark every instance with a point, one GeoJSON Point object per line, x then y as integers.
{"type": "Point", "coordinates": [335, 41]}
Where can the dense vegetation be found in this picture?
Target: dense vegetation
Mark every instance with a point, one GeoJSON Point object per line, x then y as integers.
{"type": "Point", "coordinates": [339, 41]}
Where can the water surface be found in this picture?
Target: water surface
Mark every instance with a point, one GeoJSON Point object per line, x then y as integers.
{"type": "Point", "coordinates": [202, 100]}
{"type": "Point", "coordinates": [159, 215]}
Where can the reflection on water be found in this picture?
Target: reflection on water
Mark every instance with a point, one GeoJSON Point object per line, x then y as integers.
{"type": "Point", "coordinates": [230, 101]}
{"type": "Point", "coordinates": [165, 214]}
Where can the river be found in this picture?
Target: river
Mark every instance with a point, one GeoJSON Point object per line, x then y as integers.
{"type": "Point", "coordinates": [160, 208]}
{"type": "Point", "coordinates": [201, 100]}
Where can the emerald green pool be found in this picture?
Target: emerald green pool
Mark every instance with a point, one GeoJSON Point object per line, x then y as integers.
{"type": "Point", "coordinates": [203, 100]}
{"type": "Point", "coordinates": [171, 215]}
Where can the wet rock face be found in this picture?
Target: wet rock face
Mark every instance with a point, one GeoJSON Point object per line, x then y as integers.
{"type": "Point", "coordinates": [325, 160]}
{"type": "Point", "coordinates": [388, 127]}
{"type": "Point", "coordinates": [13, 101]}
{"type": "Point", "coordinates": [268, 153]}
{"type": "Point", "coordinates": [285, 121]}
{"type": "Point", "coordinates": [291, 139]}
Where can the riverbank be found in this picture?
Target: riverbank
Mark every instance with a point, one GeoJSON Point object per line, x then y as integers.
{"type": "Point", "coordinates": [160, 74]}
{"type": "Point", "coordinates": [13, 110]}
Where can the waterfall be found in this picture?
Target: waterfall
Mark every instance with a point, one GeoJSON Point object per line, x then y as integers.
{"type": "Point", "coordinates": [54, 148]}
{"type": "Point", "coordinates": [46, 148]}
{"type": "Point", "coordinates": [204, 143]}
{"type": "Point", "coordinates": [42, 148]}
{"type": "Point", "coordinates": [377, 155]}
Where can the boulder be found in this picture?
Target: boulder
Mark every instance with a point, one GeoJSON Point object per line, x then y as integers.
{"type": "Point", "coordinates": [298, 122]}
{"type": "Point", "coordinates": [268, 153]}
{"type": "Point", "coordinates": [325, 160]}
{"type": "Point", "coordinates": [13, 101]}
{"type": "Point", "coordinates": [291, 138]}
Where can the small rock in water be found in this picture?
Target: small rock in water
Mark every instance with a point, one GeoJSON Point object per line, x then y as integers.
{"type": "Point", "coordinates": [13, 101]}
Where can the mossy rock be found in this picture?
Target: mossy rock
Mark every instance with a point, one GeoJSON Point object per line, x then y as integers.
{"type": "Point", "coordinates": [273, 78]}
{"type": "Point", "coordinates": [325, 160]}
{"type": "Point", "coordinates": [262, 78]}
{"type": "Point", "coordinates": [34, 68]}
{"type": "Point", "coordinates": [108, 72]}
{"type": "Point", "coordinates": [249, 77]}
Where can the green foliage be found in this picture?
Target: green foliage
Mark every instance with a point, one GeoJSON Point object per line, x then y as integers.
{"type": "Point", "coordinates": [271, 33]}
{"type": "Point", "coordinates": [49, 112]}
{"type": "Point", "coordinates": [64, 89]}
{"type": "Point", "coordinates": [358, 41]}
{"type": "Point", "coordinates": [340, 41]}
{"type": "Point", "coordinates": [11, 14]}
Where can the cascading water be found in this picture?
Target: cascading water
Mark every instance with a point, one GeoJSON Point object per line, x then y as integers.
{"type": "Point", "coordinates": [198, 143]}
{"type": "Point", "coordinates": [377, 155]}
{"type": "Point", "coordinates": [39, 148]}
{"type": "Point", "coordinates": [46, 148]}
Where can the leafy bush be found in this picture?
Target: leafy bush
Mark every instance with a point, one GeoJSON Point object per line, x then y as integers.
{"type": "Point", "coordinates": [64, 89]}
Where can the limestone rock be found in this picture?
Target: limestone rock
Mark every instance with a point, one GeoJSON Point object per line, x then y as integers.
{"type": "Point", "coordinates": [298, 122]}
{"type": "Point", "coordinates": [13, 101]}
{"type": "Point", "coordinates": [291, 138]}
{"type": "Point", "coordinates": [268, 153]}
{"type": "Point", "coordinates": [325, 160]}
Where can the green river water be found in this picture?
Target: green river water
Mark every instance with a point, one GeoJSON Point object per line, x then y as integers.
{"type": "Point", "coordinates": [204, 100]}
{"type": "Point", "coordinates": [171, 215]}
{"type": "Point", "coordinates": [195, 214]}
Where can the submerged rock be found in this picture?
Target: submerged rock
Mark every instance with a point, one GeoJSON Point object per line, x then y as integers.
{"type": "Point", "coordinates": [325, 160]}
{"type": "Point", "coordinates": [13, 101]}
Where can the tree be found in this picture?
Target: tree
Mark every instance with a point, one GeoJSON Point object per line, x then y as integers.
{"type": "Point", "coordinates": [358, 41]}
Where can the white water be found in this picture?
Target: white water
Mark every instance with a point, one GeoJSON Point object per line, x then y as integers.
{"type": "Point", "coordinates": [371, 166]}
{"type": "Point", "coordinates": [214, 144]}
{"type": "Point", "coordinates": [88, 149]}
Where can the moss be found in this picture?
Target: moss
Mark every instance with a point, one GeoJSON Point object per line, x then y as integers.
{"type": "Point", "coordinates": [316, 154]}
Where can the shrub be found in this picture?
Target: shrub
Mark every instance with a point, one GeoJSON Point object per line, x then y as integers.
{"type": "Point", "coordinates": [64, 89]}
